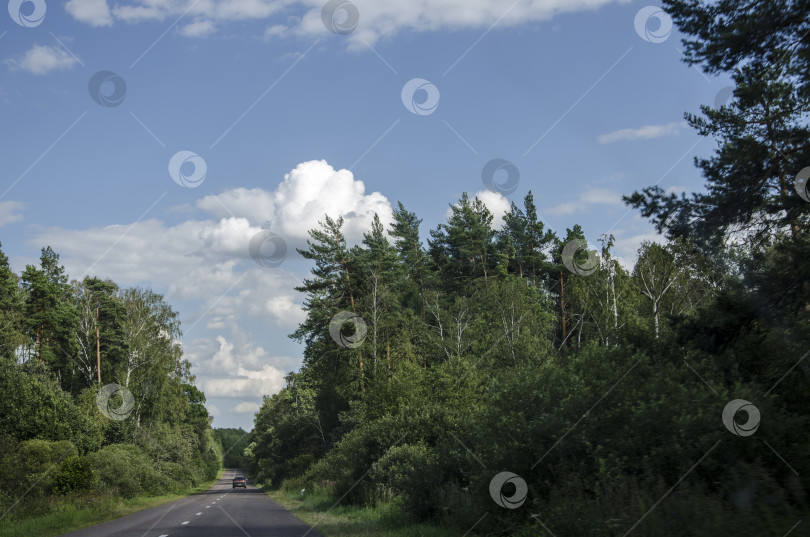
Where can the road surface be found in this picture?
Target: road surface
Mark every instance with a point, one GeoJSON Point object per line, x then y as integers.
{"type": "Point", "coordinates": [221, 511]}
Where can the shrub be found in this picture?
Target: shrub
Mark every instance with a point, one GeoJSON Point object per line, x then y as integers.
{"type": "Point", "coordinates": [128, 469]}
{"type": "Point", "coordinates": [76, 473]}
{"type": "Point", "coordinates": [410, 472]}
{"type": "Point", "coordinates": [35, 463]}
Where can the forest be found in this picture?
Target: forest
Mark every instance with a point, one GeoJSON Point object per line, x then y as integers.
{"type": "Point", "coordinates": [97, 402]}
{"type": "Point", "coordinates": [664, 396]}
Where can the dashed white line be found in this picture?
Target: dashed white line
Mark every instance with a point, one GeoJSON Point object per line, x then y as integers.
{"type": "Point", "coordinates": [184, 523]}
{"type": "Point", "coordinates": [198, 514]}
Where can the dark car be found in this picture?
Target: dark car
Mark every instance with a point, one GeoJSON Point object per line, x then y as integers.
{"type": "Point", "coordinates": [239, 481]}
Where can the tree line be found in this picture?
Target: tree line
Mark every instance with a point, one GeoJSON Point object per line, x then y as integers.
{"type": "Point", "coordinates": [97, 397]}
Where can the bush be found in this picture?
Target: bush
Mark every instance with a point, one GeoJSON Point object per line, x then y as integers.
{"type": "Point", "coordinates": [35, 464]}
{"type": "Point", "coordinates": [128, 469]}
{"type": "Point", "coordinates": [76, 474]}
{"type": "Point", "coordinates": [410, 473]}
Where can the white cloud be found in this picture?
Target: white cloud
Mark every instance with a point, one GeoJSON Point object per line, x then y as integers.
{"type": "Point", "coordinates": [213, 410]}
{"type": "Point", "coordinates": [41, 60]}
{"type": "Point", "coordinates": [93, 12]}
{"type": "Point", "coordinates": [586, 199]}
{"type": "Point", "coordinates": [311, 190]}
{"type": "Point", "coordinates": [246, 407]}
{"type": "Point", "coordinates": [386, 18]}
{"type": "Point", "coordinates": [647, 132]}
{"type": "Point", "coordinates": [10, 212]}
{"type": "Point", "coordinates": [267, 381]}
{"type": "Point", "coordinates": [200, 28]}
{"type": "Point", "coordinates": [235, 370]}
{"type": "Point", "coordinates": [216, 10]}
{"type": "Point", "coordinates": [205, 258]}
{"type": "Point", "coordinates": [378, 18]}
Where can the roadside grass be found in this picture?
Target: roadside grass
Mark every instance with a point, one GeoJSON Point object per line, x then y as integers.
{"type": "Point", "coordinates": [56, 515]}
{"type": "Point", "coordinates": [385, 520]}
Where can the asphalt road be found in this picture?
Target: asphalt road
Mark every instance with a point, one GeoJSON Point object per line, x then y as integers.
{"type": "Point", "coordinates": [221, 511]}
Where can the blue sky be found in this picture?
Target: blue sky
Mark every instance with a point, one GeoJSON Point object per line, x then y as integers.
{"type": "Point", "coordinates": [293, 121]}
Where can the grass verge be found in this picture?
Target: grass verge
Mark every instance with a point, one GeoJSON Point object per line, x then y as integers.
{"type": "Point", "coordinates": [73, 512]}
{"type": "Point", "coordinates": [316, 510]}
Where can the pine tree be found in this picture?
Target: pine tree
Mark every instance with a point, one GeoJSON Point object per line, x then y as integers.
{"type": "Point", "coordinates": [524, 239]}
{"type": "Point", "coordinates": [463, 250]}
{"type": "Point", "coordinates": [50, 316]}
{"type": "Point", "coordinates": [330, 291]}
{"type": "Point", "coordinates": [405, 231]}
{"type": "Point", "coordinates": [763, 136]}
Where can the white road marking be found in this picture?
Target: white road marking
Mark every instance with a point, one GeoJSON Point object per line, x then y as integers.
{"type": "Point", "coordinates": [184, 523]}
{"type": "Point", "coordinates": [198, 514]}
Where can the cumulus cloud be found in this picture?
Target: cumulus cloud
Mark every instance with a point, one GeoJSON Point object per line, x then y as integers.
{"type": "Point", "coordinates": [246, 383]}
{"type": "Point", "coordinates": [10, 212]}
{"type": "Point", "coordinates": [41, 59]}
{"type": "Point", "coordinates": [378, 17]}
{"type": "Point", "coordinates": [244, 370]}
{"type": "Point", "coordinates": [198, 258]}
{"type": "Point", "coordinates": [647, 132]}
{"type": "Point", "coordinates": [93, 12]}
{"type": "Point", "coordinates": [306, 194]}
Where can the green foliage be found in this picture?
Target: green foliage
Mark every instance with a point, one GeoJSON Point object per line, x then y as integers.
{"type": "Point", "coordinates": [31, 465]}
{"type": "Point", "coordinates": [34, 406]}
{"type": "Point", "coordinates": [76, 473]}
{"type": "Point", "coordinates": [51, 335]}
{"type": "Point", "coordinates": [129, 470]}
{"type": "Point", "coordinates": [408, 473]}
